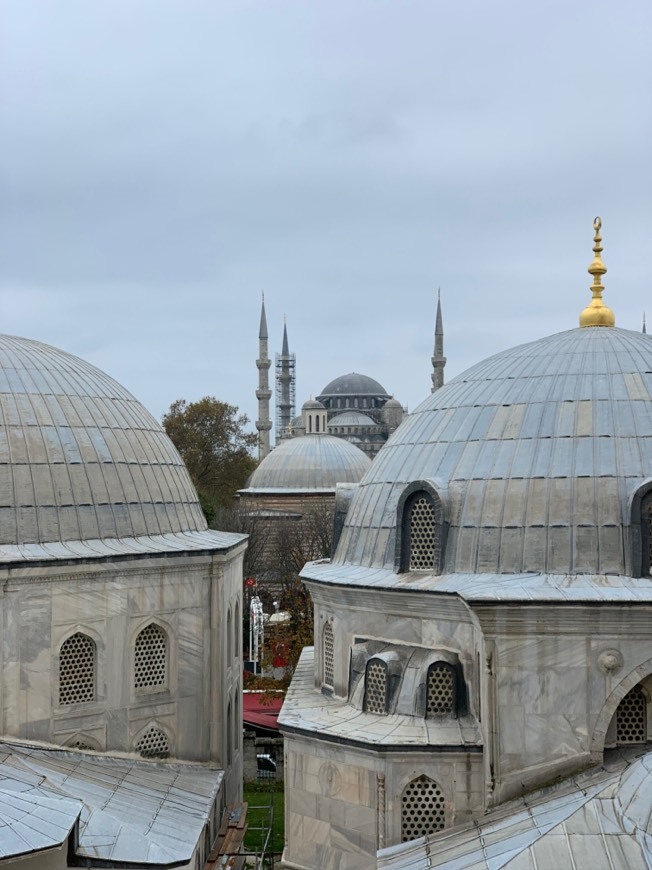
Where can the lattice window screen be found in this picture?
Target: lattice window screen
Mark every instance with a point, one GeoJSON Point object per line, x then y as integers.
{"type": "Point", "coordinates": [77, 669]}
{"type": "Point", "coordinates": [425, 534]}
{"type": "Point", "coordinates": [376, 687]}
{"type": "Point", "coordinates": [631, 720]}
{"type": "Point", "coordinates": [329, 655]}
{"type": "Point", "coordinates": [440, 690]}
{"type": "Point", "coordinates": [151, 658]}
{"type": "Point", "coordinates": [647, 521]}
{"type": "Point", "coordinates": [422, 809]}
{"type": "Point", "coordinates": [153, 744]}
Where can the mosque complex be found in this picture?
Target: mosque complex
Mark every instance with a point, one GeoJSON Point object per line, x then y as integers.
{"type": "Point", "coordinates": [479, 692]}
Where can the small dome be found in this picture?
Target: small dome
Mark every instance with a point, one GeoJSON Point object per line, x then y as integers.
{"type": "Point", "coordinates": [80, 458]}
{"type": "Point", "coordinates": [354, 384]}
{"type": "Point", "coordinates": [314, 462]}
{"type": "Point", "coordinates": [393, 403]}
{"type": "Point", "coordinates": [351, 418]}
{"type": "Point", "coordinates": [312, 405]}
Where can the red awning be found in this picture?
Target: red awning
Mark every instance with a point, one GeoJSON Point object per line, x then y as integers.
{"type": "Point", "coordinates": [260, 711]}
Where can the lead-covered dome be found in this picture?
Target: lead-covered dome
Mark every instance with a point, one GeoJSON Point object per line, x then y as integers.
{"type": "Point", "coordinates": [353, 384]}
{"type": "Point", "coordinates": [80, 458]}
{"type": "Point", "coordinates": [538, 457]}
{"type": "Point", "coordinates": [312, 462]}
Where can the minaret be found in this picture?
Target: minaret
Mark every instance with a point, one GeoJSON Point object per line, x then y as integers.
{"type": "Point", "coordinates": [263, 393]}
{"type": "Point", "coordinates": [285, 388]}
{"type": "Point", "coordinates": [438, 359]}
{"type": "Point", "coordinates": [644, 327]}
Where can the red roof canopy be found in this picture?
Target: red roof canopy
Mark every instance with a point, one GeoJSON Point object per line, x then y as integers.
{"type": "Point", "coordinates": [261, 711]}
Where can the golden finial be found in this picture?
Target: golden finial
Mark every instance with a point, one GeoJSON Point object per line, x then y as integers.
{"type": "Point", "coordinates": [597, 313]}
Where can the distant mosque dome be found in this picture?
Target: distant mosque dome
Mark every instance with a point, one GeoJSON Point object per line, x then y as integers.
{"type": "Point", "coordinates": [312, 405]}
{"type": "Point", "coordinates": [80, 458]}
{"type": "Point", "coordinates": [354, 384]}
{"type": "Point", "coordinates": [315, 463]}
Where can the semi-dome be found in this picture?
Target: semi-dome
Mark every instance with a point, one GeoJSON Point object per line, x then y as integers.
{"type": "Point", "coordinates": [80, 458]}
{"type": "Point", "coordinates": [313, 462]}
{"type": "Point", "coordinates": [538, 457]}
{"type": "Point", "coordinates": [353, 384]}
{"type": "Point", "coordinates": [351, 418]}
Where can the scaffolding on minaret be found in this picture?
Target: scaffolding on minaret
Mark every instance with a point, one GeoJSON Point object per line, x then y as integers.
{"type": "Point", "coordinates": [285, 388]}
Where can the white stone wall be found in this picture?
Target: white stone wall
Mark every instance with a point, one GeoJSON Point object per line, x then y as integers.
{"type": "Point", "coordinates": [188, 596]}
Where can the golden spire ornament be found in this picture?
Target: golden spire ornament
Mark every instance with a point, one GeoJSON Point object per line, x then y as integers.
{"type": "Point", "coordinates": [597, 313]}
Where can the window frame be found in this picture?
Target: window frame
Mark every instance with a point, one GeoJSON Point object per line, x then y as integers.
{"type": "Point", "coordinates": [409, 496]}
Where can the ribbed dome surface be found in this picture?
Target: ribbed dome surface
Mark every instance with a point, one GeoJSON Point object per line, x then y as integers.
{"type": "Point", "coordinates": [80, 458]}
{"type": "Point", "coordinates": [312, 462]}
{"type": "Point", "coordinates": [351, 418]}
{"type": "Point", "coordinates": [536, 453]}
{"type": "Point", "coordinates": [353, 384]}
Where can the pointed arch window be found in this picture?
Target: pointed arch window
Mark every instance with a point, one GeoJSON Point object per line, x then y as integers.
{"type": "Point", "coordinates": [376, 686]}
{"type": "Point", "coordinates": [154, 743]}
{"type": "Point", "coordinates": [423, 808]}
{"type": "Point", "coordinates": [151, 658]}
{"type": "Point", "coordinates": [422, 538]}
{"type": "Point", "coordinates": [237, 649]}
{"type": "Point", "coordinates": [229, 637]}
{"type": "Point", "coordinates": [77, 666]}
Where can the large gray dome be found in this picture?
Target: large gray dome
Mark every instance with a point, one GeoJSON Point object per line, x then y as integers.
{"type": "Point", "coordinates": [311, 462]}
{"type": "Point", "coordinates": [80, 458]}
{"type": "Point", "coordinates": [353, 384]}
{"type": "Point", "coordinates": [536, 453]}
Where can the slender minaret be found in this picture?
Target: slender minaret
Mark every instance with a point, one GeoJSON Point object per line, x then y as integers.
{"type": "Point", "coordinates": [285, 388]}
{"type": "Point", "coordinates": [263, 393]}
{"type": "Point", "coordinates": [438, 359]}
{"type": "Point", "coordinates": [644, 327]}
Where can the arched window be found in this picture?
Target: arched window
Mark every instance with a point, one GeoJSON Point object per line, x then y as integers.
{"type": "Point", "coordinates": [646, 536]}
{"type": "Point", "coordinates": [423, 809]}
{"type": "Point", "coordinates": [631, 718]}
{"type": "Point", "coordinates": [237, 720]}
{"type": "Point", "coordinates": [151, 658]}
{"type": "Point", "coordinates": [328, 655]}
{"type": "Point", "coordinates": [423, 533]}
{"type": "Point", "coordinates": [153, 743]}
{"type": "Point", "coordinates": [316, 422]}
{"type": "Point", "coordinates": [229, 733]}
{"type": "Point", "coordinates": [77, 663]}
{"type": "Point", "coordinates": [376, 686]}
{"type": "Point", "coordinates": [237, 649]}
{"type": "Point", "coordinates": [229, 637]}
{"type": "Point", "coordinates": [441, 690]}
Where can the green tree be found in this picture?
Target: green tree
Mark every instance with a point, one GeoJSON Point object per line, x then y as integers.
{"type": "Point", "coordinates": [211, 438]}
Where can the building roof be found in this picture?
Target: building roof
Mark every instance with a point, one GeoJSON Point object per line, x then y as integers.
{"type": "Point", "coordinates": [602, 818]}
{"type": "Point", "coordinates": [353, 384]}
{"type": "Point", "coordinates": [80, 458]}
{"type": "Point", "coordinates": [143, 813]}
{"type": "Point", "coordinates": [311, 462]}
{"type": "Point", "coordinates": [535, 452]}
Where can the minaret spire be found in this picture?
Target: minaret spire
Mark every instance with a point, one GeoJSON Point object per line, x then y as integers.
{"type": "Point", "coordinates": [263, 393]}
{"type": "Point", "coordinates": [438, 359]}
{"type": "Point", "coordinates": [285, 387]}
{"type": "Point", "coordinates": [644, 330]}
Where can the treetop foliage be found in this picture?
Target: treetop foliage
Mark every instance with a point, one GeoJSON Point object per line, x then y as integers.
{"type": "Point", "coordinates": [212, 440]}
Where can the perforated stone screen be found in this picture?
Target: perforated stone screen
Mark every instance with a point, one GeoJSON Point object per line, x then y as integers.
{"type": "Point", "coordinates": [422, 809]}
{"type": "Point", "coordinates": [77, 670]}
{"type": "Point", "coordinates": [329, 655]}
{"type": "Point", "coordinates": [153, 744]}
{"type": "Point", "coordinates": [150, 658]}
{"type": "Point", "coordinates": [376, 687]}
{"type": "Point", "coordinates": [647, 521]}
{"type": "Point", "coordinates": [424, 535]}
{"type": "Point", "coordinates": [440, 691]}
{"type": "Point", "coordinates": [631, 724]}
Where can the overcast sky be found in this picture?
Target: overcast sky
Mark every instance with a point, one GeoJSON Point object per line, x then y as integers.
{"type": "Point", "coordinates": [166, 161]}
